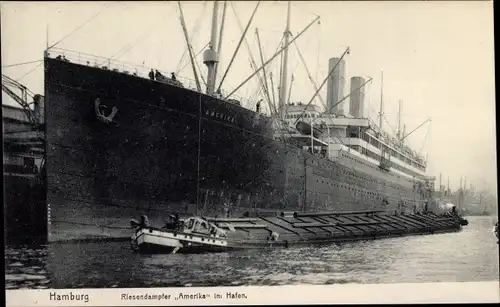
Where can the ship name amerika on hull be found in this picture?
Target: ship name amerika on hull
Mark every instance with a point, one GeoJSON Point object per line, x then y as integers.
{"type": "Point", "coordinates": [120, 145]}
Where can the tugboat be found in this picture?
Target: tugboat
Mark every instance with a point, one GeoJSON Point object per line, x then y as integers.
{"type": "Point", "coordinates": [192, 235]}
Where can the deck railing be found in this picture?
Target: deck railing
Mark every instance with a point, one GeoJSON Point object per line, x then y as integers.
{"type": "Point", "coordinates": [141, 71]}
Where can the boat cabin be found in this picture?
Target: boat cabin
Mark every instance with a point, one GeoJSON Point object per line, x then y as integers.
{"type": "Point", "coordinates": [201, 226]}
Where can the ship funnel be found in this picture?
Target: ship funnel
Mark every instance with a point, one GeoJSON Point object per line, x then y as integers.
{"type": "Point", "coordinates": [335, 90]}
{"type": "Point", "coordinates": [357, 98]}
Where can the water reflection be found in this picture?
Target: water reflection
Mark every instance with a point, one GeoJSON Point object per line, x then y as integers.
{"type": "Point", "coordinates": [470, 255]}
{"type": "Point", "coordinates": [25, 267]}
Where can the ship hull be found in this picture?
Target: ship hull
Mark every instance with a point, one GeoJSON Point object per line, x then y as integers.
{"type": "Point", "coordinates": [170, 149]}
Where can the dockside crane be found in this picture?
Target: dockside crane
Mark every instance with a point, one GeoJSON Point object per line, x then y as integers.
{"type": "Point", "coordinates": [32, 109]}
{"type": "Point", "coordinates": [26, 144]}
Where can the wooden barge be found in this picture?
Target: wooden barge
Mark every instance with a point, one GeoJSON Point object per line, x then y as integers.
{"type": "Point", "coordinates": [205, 234]}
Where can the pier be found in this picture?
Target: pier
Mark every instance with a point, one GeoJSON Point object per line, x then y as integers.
{"type": "Point", "coordinates": [23, 159]}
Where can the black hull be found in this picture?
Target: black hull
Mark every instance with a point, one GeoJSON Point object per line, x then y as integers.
{"type": "Point", "coordinates": [159, 156]}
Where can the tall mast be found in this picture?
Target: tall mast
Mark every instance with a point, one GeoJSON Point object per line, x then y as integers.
{"type": "Point", "coordinates": [399, 121]}
{"type": "Point", "coordinates": [272, 58]}
{"type": "Point", "coordinates": [220, 38]}
{"type": "Point", "coordinates": [283, 86]}
{"type": "Point", "coordinates": [404, 133]}
{"type": "Point", "coordinates": [45, 53]}
{"type": "Point", "coordinates": [461, 194]}
{"type": "Point", "coordinates": [440, 187]}
{"type": "Point", "coordinates": [465, 187]}
{"type": "Point", "coordinates": [266, 87]}
{"type": "Point", "coordinates": [190, 49]}
{"type": "Point", "coordinates": [210, 56]}
{"type": "Point", "coordinates": [381, 113]}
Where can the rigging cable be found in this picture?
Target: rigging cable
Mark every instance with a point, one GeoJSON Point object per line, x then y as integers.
{"type": "Point", "coordinates": [264, 75]}
{"type": "Point", "coordinates": [296, 49]}
{"type": "Point", "coordinates": [309, 75]}
{"type": "Point", "coordinates": [201, 75]}
{"type": "Point", "coordinates": [275, 70]}
{"type": "Point", "coordinates": [281, 78]}
{"type": "Point", "coordinates": [59, 41]}
{"type": "Point", "coordinates": [283, 128]}
{"type": "Point", "coordinates": [19, 64]}
{"type": "Point", "coordinates": [255, 92]}
{"type": "Point", "coordinates": [253, 64]}
{"type": "Point", "coordinates": [29, 72]}
{"type": "Point", "coordinates": [146, 33]}
{"type": "Point", "coordinates": [319, 48]}
{"type": "Point", "coordinates": [133, 44]}
{"type": "Point", "coordinates": [393, 130]}
{"type": "Point", "coordinates": [242, 38]}
{"type": "Point", "coordinates": [196, 55]}
{"type": "Point", "coordinates": [194, 32]}
{"type": "Point", "coordinates": [425, 140]}
{"type": "Point", "coordinates": [78, 28]}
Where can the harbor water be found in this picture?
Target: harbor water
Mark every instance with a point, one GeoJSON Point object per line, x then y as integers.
{"type": "Point", "coordinates": [469, 255]}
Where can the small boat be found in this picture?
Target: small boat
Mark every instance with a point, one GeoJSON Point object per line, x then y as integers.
{"type": "Point", "coordinates": [305, 129]}
{"type": "Point", "coordinates": [192, 235]}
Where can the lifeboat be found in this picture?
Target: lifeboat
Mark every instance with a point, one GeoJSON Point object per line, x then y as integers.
{"type": "Point", "coordinates": [305, 129]}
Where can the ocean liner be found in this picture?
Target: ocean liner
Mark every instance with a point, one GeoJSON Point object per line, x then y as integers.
{"type": "Point", "coordinates": [121, 143]}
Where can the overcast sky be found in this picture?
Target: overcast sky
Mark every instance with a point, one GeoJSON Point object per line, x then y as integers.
{"type": "Point", "coordinates": [437, 57]}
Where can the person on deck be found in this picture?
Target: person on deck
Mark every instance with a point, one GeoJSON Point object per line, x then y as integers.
{"type": "Point", "coordinates": [151, 75]}
{"type": "Point", "coordinates": [173, 76]}
{"type": "Point", "coordinates": [177, 220]}
{"type": "Point", "coordinates": [258, 107]}
{"type": "Point", "coordinates": [158, 75]}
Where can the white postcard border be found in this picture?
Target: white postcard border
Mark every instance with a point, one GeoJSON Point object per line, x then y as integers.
{"type": "Point", "coordinates": [462, 292]}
